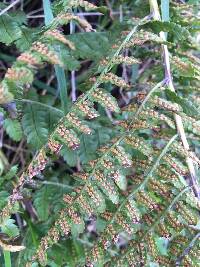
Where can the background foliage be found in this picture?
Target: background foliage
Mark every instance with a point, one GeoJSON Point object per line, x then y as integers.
{"type": "Point", "coordinates": [94, 170]}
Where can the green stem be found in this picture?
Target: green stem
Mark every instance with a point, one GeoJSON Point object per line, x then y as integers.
{"type": "Point", "coordinates": [188, 248]}
{"type": "Point", "coordinates": [40, 104]}
{"type": "Point", "coordinates": [148, 97]}
{"type": "Point", "coordinates": [58, 184]}
{"type": "Point", "coordinates": [169, 208]}
{"type": "Point", "coordinates": [7, 258]}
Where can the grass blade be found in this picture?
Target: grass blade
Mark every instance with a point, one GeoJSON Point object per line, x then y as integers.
{"type": "Point", "coordinates": [7, 258]}
{"type": "Point", "coordinates": [165, 11]}
{"type": "Point", "coordinates": [60, 73]}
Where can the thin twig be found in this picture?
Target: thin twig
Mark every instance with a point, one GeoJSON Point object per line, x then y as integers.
{"type": "Point", "coordinates": [40, 104]}
{"type": "Point", "coordinates": [80, 14]}
{"type": "Point", "coordinates": [1, 137]}
{"type": "Point", "coordinates": [73, 85]}
{"type": "Point", "coordinates": [35, 16]}
{"type": "Point", "coordinates": [145, 66]}
{"type": "Point", "coordinates": [9, 7]}
{"type": "Point", "coordinates": [35, 11]}
{"type": "Point", "coordinates": [178, 119]}
{"type": "Point", "coordinates": [101, 14]}
{"type": "Point", "coordinates": [14, 148]}
{"type": "Point", "coordinates": [110, 9]}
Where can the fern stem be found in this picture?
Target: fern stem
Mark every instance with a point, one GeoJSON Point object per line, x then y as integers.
{"type": "Point", "coordinates": [147, 176]}
{"type": "Point", "coordinates": [163, 215]}
{"type": "Point", "coordinates": [58, 184]}
{"type": "Point", "coordinates": [179, 123]}
{"type": "Point", "coordinates": [7, 258]}
{"type": "Point", "coordinates": [187, 250]}
{"type": "Point", "coordinates": [148, 96]}
{"type": "Point", "coordinates": [40, 104]}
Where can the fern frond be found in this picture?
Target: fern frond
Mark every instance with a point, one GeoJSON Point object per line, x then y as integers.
{"type": "Point", "coordinates": [129, 198]}
{"type": "Point", "coordinates": [11, 248]}
{"type": "Point", "coordinates": [13, 129]}
{"type": "Point", "coordinates": [60, 134]}
{"type": "Point", "coordinates": [57, 35]}
{"type": "Point", "coordinates": [5, 95]}
{"type": "Point", "coordinates": [105, 99]}
{"type": "Point", "coordinates": [28, 59]}
{"type": "Point", "coordinates": [44, 51]}
{"type": "Point", "coordinates": [10, 30]}
{"type": "Point", "coordinates": [142, 37]}
{"type": "Point", "coordinates": [86, 109]}
{"type": "Point", "coordinates": [167, 105]}
{"type": "Point", "coordinates": [135, 201]}
{"type": "Point", "coordinates": [85, 4]}
{"type": "Point", "coordinates": [72, 120]}
{"type": "Point", "coordinates": [21, 75]}
{"type": "Point", "coordinates": [121, 60]}
{"type": "Point", "coordinates": [65, 136]}
{"type": "Point", "coordinates": [65, 18]}
{"type": "Point", "coordinates": [114, 79]}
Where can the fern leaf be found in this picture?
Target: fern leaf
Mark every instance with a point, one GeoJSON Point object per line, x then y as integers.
{"type": "Point", "coordinates": [35, 127]}
{"type": "Point", "coordinates": [67, 17]}
{"type": "Point", "coordinates": [13, 129]}
{"type": "Point", "coordinates": [105, 99]}
{"type": "Point", "coordinates": [10, 30]}
{"type": "Point", "coordinates": [76, 3]}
